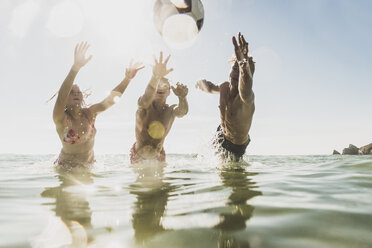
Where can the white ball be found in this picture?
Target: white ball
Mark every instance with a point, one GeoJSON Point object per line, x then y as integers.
{"type": "Point", "coordinates": [178, 21]}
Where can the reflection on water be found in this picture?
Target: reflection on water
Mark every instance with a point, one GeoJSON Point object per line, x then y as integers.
{"type": "Point", "coordinates": [151, 200]}
{"type": "Point", "coordinates": [72, 207]}
{"type": "Point", "coordinates": [242, 187]}
{"type": "Point", "coordinates": [235, 176]}
{"type": "Point", "coordinates": [152, 195]}
{"type": "Point", "coordinates": [306, 201]}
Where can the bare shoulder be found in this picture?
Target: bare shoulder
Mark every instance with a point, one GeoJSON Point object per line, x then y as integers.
{"type": "Point", "coordinates": [170, 108]}
{"type": "Point", "coordinates": [225, 85]}
{"type": "Point", "coordinates": [224, 89]}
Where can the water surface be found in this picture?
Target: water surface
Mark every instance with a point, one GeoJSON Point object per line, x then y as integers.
{"type": "Point", "coordinates": [193, 201]}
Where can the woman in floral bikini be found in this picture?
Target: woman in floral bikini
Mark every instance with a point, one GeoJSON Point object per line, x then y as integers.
{"type": "Point", "coordinates": [75, 123]}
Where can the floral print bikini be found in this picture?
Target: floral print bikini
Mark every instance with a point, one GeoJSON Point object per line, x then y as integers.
{"type": "Point", "coordinates": [72, 137]}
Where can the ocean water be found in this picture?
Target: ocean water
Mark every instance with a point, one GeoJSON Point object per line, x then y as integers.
{"type": "Point", "coordinates": [192, 201]}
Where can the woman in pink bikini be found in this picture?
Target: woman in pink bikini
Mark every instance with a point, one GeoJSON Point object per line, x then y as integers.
{"type": "Point", "coordinates": [75, 123]}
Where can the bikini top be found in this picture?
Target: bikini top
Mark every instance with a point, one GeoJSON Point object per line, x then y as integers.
{"type": "Point", "coordinates": [72, 137]}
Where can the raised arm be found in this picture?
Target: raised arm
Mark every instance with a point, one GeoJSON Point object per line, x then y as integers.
{"type": "Point", "coordinates": [207, 86]}
{"type": "Point", "coordinates": [245, 65]}
{"type": "Point", "coordinates": [117, 92]}
{"type": "Point", "coordinates": [64, 91]}
{"type": "Point", "coordinates": [183, 107]}
{"type": "Point", "coordinates": [159, 70]}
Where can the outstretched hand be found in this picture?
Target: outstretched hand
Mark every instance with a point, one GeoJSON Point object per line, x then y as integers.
{"type": "Point", "coordinates": [181, 90]}
{"type": "Point", "coordinates": [79, 57]}
{"type": "Point", "coordinates": [159, 69]}
{"type": "Point", "coordinates": [241, 50]}
{"type": "Point", "coordinates": [132, 70]}
{"type": "Point", "coordinates": [202, 85]}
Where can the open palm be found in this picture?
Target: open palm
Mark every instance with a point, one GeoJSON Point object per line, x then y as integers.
{"type": "Point", "coordinates": [132, 70]}
{"type": "Point", "coordinates": [79, 59]}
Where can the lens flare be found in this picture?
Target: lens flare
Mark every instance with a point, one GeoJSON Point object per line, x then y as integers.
{"type": "Point", "coordinates": [156, 130]}
{"type": "Point", "coordinates": [22, 17]}
{"type": "Point", "coordinates": [177, 37]}
{"type": "Point", "coordinates": [65, 19]}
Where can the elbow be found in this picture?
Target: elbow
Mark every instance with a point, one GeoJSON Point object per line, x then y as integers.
{"type": "Point", "coordinates": [182, 113]}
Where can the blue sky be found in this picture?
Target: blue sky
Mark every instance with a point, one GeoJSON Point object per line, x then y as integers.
{"type": "Point", "coordinates": [312, 80]}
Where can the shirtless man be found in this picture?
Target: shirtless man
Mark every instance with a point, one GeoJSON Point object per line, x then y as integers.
{"type": "Point", "coordinates": [236, 104]}
{"type": "Point", "coordinates": [74, 122]}
{"type": "Point", "coordinates": [154, 118]}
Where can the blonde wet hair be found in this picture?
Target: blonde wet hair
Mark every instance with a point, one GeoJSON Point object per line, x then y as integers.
{"type": "Point", "coordinates": [86, 93]}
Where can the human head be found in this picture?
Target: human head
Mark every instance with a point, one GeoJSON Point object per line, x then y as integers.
{"type": "Point", "coordinates": [75, 98]}
{"type": "Point", "coordinates": [163, 90]}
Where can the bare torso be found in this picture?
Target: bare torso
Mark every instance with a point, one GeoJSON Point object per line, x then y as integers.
{"type": "Point", "coordinates": [152, 126]}
{"type": "Point", "coordinates": [236, 115]}
{"type": "Point", "coordinates": [77, 137]}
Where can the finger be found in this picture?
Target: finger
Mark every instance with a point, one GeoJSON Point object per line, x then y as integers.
{"type": "Point", "coordinates": [245, 49]}
{"type": "Point", "coordinates": [244, 42]}
{"type": "Point", "coordinates": [235, 43]}
{"type": "Point", "coordinates": [240, 40]}
{"type": "Point", "coordinates": [167, 59]}
{"type": "Point", "coordinates": [155, 59]}
{"type": "Point", "coordinates": [174, 90]}
{"type": "Point", "coordinates": [161, 57]}
{"type": "Point", "coordinates": [140, 68]}
{"type": "Point", "coordinates": [244, 45]}
{"type": "Point", "coordinates": [89, 58]}
{"type": "Point", "coordinates": [76, 48]}
{"type": "Point", "coordinates": [83, 45]}
{"type": "Point", "coordinates": [86, 47]}
{"type": "Point", "coordinates": [136, 64]}
{"type": "Point", "coordinates": [168, 71]}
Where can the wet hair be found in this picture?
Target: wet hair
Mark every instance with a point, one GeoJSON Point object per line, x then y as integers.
{"type": "Point", "coordinates": [86, 93]}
